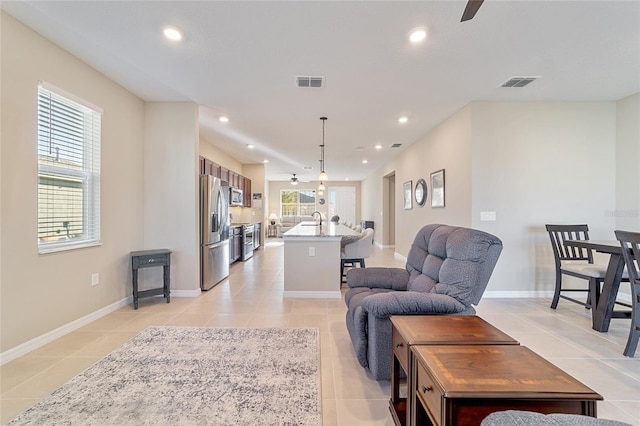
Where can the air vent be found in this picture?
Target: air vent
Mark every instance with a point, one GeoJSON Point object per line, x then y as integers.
{"type": "Point", "coordinates": [518, 81]}
{"type": "Point", "coordinates": [309, 82]}
{"type": "Point", "coordinates": [396, 145]}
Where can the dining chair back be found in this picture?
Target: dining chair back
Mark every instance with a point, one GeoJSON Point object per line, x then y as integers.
{"type": "Point", "coordinates": [575, 262]}
{"type": "Point", "coordinates": [355, 252]}
{"type": "Point", "coordinates": [630, 242]}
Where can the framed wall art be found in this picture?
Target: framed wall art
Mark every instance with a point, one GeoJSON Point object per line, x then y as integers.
{"type": "Point", "coordinates": [437, 189]}
{"type": "Point", "coordinates": [420, 192]}
{"type": "Point", "coordinates": [407, 195]}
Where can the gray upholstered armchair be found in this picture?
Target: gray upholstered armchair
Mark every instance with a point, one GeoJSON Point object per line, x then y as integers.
{"type": "Point", "coordinates": [447, 270]}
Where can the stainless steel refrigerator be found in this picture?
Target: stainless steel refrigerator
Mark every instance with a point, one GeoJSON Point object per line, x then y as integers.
{"type": "Point", "coordinates": [214, 231]}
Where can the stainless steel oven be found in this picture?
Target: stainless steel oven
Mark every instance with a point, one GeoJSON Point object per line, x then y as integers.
{"type": "Point", "coordinates": [247, 241]}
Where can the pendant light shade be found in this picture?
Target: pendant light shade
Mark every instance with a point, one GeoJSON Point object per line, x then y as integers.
{"type": "Point", "coordinates": [323, 175]}
{"type": "Point", "coordinates": [321, 187]}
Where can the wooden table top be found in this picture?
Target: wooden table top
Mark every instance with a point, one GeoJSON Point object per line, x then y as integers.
{"type": "Point", "coordinates": [448, 330]}
{"type": "Point", "coordinates": [498, 371]}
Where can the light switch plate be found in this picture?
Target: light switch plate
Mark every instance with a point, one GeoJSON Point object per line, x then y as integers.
{"type": "Point", "coordinates": [487, 216]}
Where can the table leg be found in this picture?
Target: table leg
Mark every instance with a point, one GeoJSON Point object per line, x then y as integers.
{"type": "Point", "coordinates": [604, 311]}
{"type": "Point", "coordinates": [134, 274]}
{"type": "Point", "coordinates": [167, 285]}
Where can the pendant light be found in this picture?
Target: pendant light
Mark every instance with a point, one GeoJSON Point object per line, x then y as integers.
{"type": "Point", "coordinates": [323, 175]}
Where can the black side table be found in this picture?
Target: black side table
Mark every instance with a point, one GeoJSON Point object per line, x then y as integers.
{"type": "Point", "coordinates": [148, 259]}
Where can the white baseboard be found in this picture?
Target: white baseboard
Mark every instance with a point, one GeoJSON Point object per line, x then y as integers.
{"type": "Point", "coordinates": [42, 340]}
{"type": "Point", "coordinates": [516, 294]}
{"type": "Point", "coordinates": [622, 297]}
{"type": "Point", "coordinates": [399, 257]}
{"type": "Point", "coordinates": [312, 294]}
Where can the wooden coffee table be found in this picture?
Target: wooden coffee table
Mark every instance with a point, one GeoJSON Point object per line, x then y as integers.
{"type": "Point", "coordinates": [461, 385]}
{"type": "Point", "coordinates": [409, 330]}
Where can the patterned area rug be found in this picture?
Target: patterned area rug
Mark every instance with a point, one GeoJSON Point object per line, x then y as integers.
{"type": "Point", "coordinates": [194, 376]}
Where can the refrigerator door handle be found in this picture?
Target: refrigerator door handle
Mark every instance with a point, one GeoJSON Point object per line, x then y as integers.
{"type": "Point", "coordinates": [214, 222]}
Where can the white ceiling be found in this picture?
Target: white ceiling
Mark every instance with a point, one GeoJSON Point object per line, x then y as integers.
{"type": "Point", "coordinates": [240, 59]}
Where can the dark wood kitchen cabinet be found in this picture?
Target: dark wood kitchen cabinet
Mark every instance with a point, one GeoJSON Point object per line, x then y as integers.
{"type": "Point", "coordinates": [224, 174]}
{"type": "Point", "coordinates": [236, 180]}
{"type": "Point", "coordinates": [235, 244]}
{"type": "Point", "coordinates": [247, 192]}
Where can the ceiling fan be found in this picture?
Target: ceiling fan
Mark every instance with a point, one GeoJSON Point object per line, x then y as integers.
{"type": "Point", "coordinates": [471, 9]}
{"type": "Point", "coordinates": [294, 180]}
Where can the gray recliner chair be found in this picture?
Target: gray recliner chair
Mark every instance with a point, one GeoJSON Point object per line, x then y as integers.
{"type": "Point", "coordinates": [447, 270]}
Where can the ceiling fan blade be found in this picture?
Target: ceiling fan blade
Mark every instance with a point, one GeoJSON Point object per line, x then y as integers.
{"type": "Point", "coordinates": [471, 9]}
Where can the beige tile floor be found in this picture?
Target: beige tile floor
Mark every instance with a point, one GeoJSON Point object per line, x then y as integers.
{"type": "Point", "coordinates": [252, 297]}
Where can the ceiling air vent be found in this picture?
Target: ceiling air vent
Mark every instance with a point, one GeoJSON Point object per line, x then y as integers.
{"type": "Point", "coordinates": [518, 81]}
{"type": "Point", "coordinates": [396, 145]}
{"type": "Point", "coordinates": [307, 81]}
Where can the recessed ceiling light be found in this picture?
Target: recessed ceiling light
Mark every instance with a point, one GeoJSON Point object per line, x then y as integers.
{"type": "Point", "coordinates": [265, 161]}
{"type": "Point", "coordinates": [403, 120]}
{"type": "Point", "coordinates": [223, 119]}
{"type": "Point", "coordinates": [378, 146]}
{"type": "Point", "coordinates": [251, 146]}
{"type": "Point", "coordinates": [418, 35]}
{"type": "Point", "coordinates": [365, 161]}
{"type": "Point", "coordinates": [172, 33]}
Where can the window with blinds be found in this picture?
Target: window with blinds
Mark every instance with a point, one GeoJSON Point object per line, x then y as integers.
{"type": "Point", "coordinates": [68, 171]}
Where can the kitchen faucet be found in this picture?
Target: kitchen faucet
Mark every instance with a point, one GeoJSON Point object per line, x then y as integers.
{"type": "Point", "coordinates": [319, 214]}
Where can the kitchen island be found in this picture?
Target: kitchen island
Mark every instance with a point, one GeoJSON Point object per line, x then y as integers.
{"type": "Point", "coordinates": [312, 259]}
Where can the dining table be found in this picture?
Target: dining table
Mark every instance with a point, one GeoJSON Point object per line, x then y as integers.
{"type": "Point", "coordinates": [604, 310]}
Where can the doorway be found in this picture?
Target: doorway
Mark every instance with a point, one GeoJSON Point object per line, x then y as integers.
{"type": "Point", "coordinates": [389, 209]}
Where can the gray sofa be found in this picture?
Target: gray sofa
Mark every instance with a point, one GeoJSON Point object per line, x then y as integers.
{"type": "Point", "coordinates": [526, 418]}
{"type": "Point", "coordinates": [447, 270]}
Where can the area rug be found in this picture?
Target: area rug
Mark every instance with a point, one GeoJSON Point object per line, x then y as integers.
{"type": "Point", "coordinates": [194, 376]}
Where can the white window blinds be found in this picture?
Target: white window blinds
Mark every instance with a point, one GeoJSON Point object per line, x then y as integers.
{"type": "Point", "coordinates": [68, 171]}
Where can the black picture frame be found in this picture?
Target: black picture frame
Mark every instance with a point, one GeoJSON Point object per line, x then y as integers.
{"type": "Point", "coordinates": [420, 192]}
{"type": "Point", "coordinates": [437, 189]}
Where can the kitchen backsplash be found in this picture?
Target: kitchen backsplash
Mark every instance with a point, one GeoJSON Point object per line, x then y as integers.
{"type": "Point", "coordinates": [245, 214]}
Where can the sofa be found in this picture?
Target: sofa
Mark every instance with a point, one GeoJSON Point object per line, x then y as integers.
{"type": "Point", "coordinates": [525, 418]}
{"type": "Point", "coordinates": [288, 222]}
{"type": "Point", "coordinates": [447, 271]}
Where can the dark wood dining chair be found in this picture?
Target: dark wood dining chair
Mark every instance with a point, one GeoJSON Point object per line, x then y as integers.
{"type": "Point", "coordinates": [575, 262]}
{"type": "Point", "coordinates": [630, 242]}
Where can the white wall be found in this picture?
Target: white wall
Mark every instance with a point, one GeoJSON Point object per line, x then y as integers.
{"type": "Point", "coordinates": [40, 293]}
{"type": "Point", "coordinates": [531, 163]}
{"type": "Point", "coordinates": [536, 163]}
{"type": "Point", "coordinates": [446, 147]}
{"type": "Point", "coordinates": [627, 212]}
{"type": "Point", "coordinates": [210, 151]}
{"type": "Point", "coordinates": [171, 190]}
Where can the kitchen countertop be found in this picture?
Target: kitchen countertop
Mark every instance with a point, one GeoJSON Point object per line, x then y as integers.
{"type": "Point", "coordinates": [313, 230]}
{"type": "Point", "coordinates": [238, 224]}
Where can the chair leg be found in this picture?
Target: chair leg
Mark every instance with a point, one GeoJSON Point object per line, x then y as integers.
{"type": "Point", "coordinates": [556, 293]}
{"type": "Point", "coordinates": [634, 331]}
